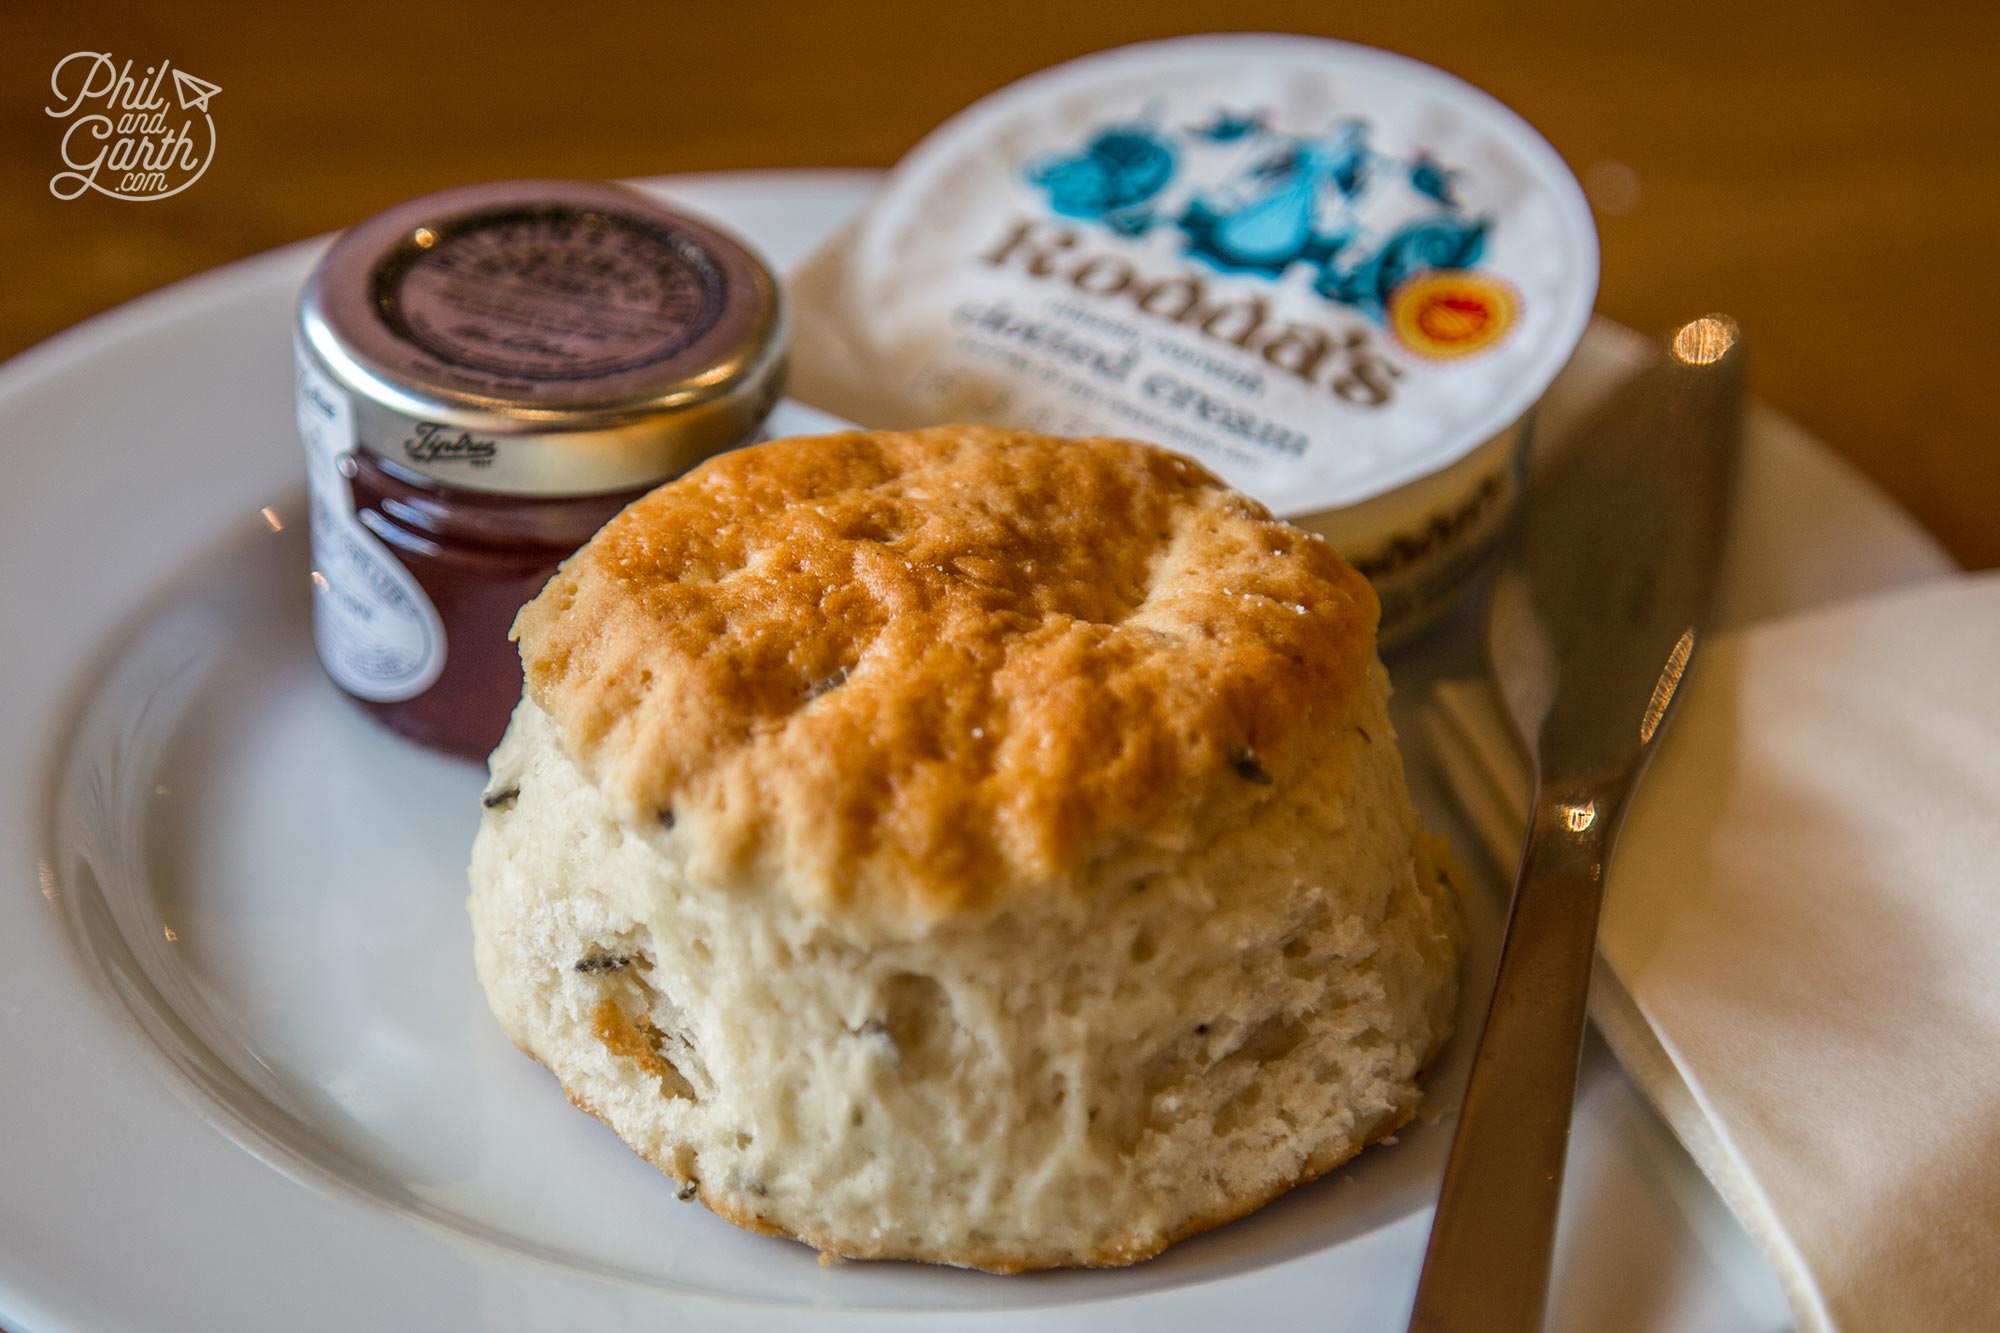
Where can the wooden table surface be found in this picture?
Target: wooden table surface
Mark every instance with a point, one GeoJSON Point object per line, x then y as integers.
{"type": "Point", "coordinates": [1825, 171]}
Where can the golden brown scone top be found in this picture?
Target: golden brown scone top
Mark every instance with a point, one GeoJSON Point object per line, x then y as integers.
{"type": "Point", "coordinates": [920, 673]}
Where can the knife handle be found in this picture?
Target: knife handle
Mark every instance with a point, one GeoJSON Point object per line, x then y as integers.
{"type": "Point", "coordinates": [1488, 1262]}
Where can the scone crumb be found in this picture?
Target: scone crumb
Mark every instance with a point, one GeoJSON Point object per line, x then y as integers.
{"type": "Point", "coordinates": [1430, 1113]}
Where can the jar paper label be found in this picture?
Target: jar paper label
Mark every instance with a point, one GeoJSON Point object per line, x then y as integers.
{"type": "Point", "coordinates": [377, 632]}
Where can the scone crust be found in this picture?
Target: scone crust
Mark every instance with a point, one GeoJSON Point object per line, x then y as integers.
{"type": "Point", "coordinates": [909, 676]}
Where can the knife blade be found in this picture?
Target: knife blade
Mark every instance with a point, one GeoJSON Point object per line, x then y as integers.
{"type": "Point", "coordinates": [1595, 615]}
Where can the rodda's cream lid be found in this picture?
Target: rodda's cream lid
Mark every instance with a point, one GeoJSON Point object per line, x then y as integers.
{"type": "Point", "coordinates": [1337, 277]}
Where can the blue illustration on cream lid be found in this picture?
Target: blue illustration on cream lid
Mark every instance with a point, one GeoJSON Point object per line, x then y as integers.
{"type": "Point", "coordinates": [1273, 200]}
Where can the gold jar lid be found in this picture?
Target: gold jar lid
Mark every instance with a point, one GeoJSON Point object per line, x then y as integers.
{"type": "Point", "coordinates": [549, 338]}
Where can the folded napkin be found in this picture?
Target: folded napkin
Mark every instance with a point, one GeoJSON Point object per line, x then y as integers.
{"type": "Point", "coordinates": [1800, 954]}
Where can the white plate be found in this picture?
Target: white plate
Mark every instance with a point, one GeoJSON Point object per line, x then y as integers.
{"type": "Point", "coordinates": [249, 1080]}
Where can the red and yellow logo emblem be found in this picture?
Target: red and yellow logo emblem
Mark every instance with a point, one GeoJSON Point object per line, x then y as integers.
{"type": "Point", "coordinates": [1451, 313]}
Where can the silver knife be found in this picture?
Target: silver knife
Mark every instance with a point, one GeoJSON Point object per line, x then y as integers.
{"type": "Point", "coordinates": [1595, 615]}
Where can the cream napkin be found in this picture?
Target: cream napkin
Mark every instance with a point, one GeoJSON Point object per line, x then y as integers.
{"type": "Point", "coordinates": [1800, 956]}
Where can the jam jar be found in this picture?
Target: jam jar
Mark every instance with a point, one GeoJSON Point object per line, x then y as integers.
{"type": "Point", "coordinates": [484, 376]}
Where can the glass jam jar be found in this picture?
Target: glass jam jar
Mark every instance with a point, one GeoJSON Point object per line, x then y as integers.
{"type": "Point", "coordinates": [484, 377]}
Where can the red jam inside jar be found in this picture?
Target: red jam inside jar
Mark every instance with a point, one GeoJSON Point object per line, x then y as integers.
{"type": "Point", "coordinates": [485, 377]}
{"type": "Point", "coordinates": [479, 558]}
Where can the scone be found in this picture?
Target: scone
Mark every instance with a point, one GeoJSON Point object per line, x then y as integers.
{"type": "Point", "coordinates": [964, 845]}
